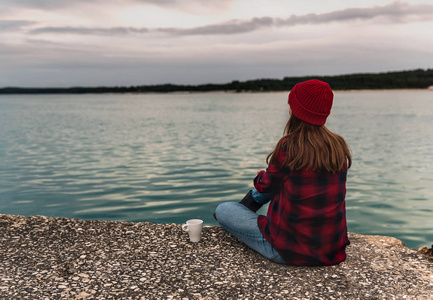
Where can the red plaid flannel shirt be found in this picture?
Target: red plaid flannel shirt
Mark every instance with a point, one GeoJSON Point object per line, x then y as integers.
{"type": "Point", "coordinates": [306, 219]}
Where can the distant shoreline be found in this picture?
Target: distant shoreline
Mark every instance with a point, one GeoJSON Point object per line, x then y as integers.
{"type": "Point", "coordinates": [402, 80]}
{"type": "Point", "coordinates": [216, 92]}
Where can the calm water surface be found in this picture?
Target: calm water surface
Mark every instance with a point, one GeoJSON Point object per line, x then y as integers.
{"type": "Point", "coordinates": [168, 158]}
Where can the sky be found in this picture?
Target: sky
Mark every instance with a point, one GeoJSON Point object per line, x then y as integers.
{"type": "Point", "coordinates": [63, 43]}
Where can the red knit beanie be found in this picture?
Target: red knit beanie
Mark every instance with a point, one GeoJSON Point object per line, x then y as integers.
{"type": "Point", "coordinates": [311, 101]}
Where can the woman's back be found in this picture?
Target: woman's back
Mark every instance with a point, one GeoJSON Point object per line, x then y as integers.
{"type": "Point", "coordinates": [306, 219]}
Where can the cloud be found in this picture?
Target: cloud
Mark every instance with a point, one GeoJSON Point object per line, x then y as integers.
{"type": "Point", "coordinates": [40, 4]}
{"type": "Point", "coordinates": [192, 6]}
{"type": "Point", "coordinates": [91, 30]}
{"type": "Point", "coordinates": [395, 12]}
{"type": "Point", "coordinates": [10, 25]}
{"type": "Point", "coordinates": [231, 27]}
{"type": "Point", "coordinates": [56, 4]}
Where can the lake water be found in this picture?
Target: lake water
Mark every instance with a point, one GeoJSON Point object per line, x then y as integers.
{"type": "Point", "coordinates": [169, 157]}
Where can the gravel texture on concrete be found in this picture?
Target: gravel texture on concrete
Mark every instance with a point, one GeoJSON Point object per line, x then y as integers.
{"type": "Point", "coordinates": [58, 258]}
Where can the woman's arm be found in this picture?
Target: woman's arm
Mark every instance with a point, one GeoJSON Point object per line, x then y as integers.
{"type": "Point", "coordinates": [269, 180]}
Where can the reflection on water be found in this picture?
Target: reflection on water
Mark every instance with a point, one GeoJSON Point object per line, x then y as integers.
{"type": "Point", "coordinates": [168, 158]}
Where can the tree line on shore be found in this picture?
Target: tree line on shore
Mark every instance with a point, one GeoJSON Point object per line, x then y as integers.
{"type": "Point", "coordinates": [413, 79]}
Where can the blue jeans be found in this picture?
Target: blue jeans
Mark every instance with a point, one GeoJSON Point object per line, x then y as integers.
{"type": "Point", "coordinates": [262, 198]}
{"type": "Point", "coordinates": [242, 223]}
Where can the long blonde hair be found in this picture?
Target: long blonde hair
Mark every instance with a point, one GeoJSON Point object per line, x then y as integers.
{"type": "Point", "coordinates": [310, 147]}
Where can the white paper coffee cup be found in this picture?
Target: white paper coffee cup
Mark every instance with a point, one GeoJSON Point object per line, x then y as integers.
{"type": "Point", "coordinates": [193, 227]}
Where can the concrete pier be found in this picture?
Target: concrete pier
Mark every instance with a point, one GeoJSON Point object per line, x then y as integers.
{"type": "Point", "coordinates": [59, 258]}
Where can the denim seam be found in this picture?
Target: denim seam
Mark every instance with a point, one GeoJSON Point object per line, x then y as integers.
{"type": "Point", "coordinates": [242, 233]}
{"type": "Point", "coordinates": [274, 257]}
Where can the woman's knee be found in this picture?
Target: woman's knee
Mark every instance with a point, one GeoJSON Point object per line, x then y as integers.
{"type": "Point", "coordinates": [223, 210]}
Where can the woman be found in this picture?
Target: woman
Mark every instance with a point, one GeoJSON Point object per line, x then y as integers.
{"type": "Point", "coordinates": [305, 182]}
